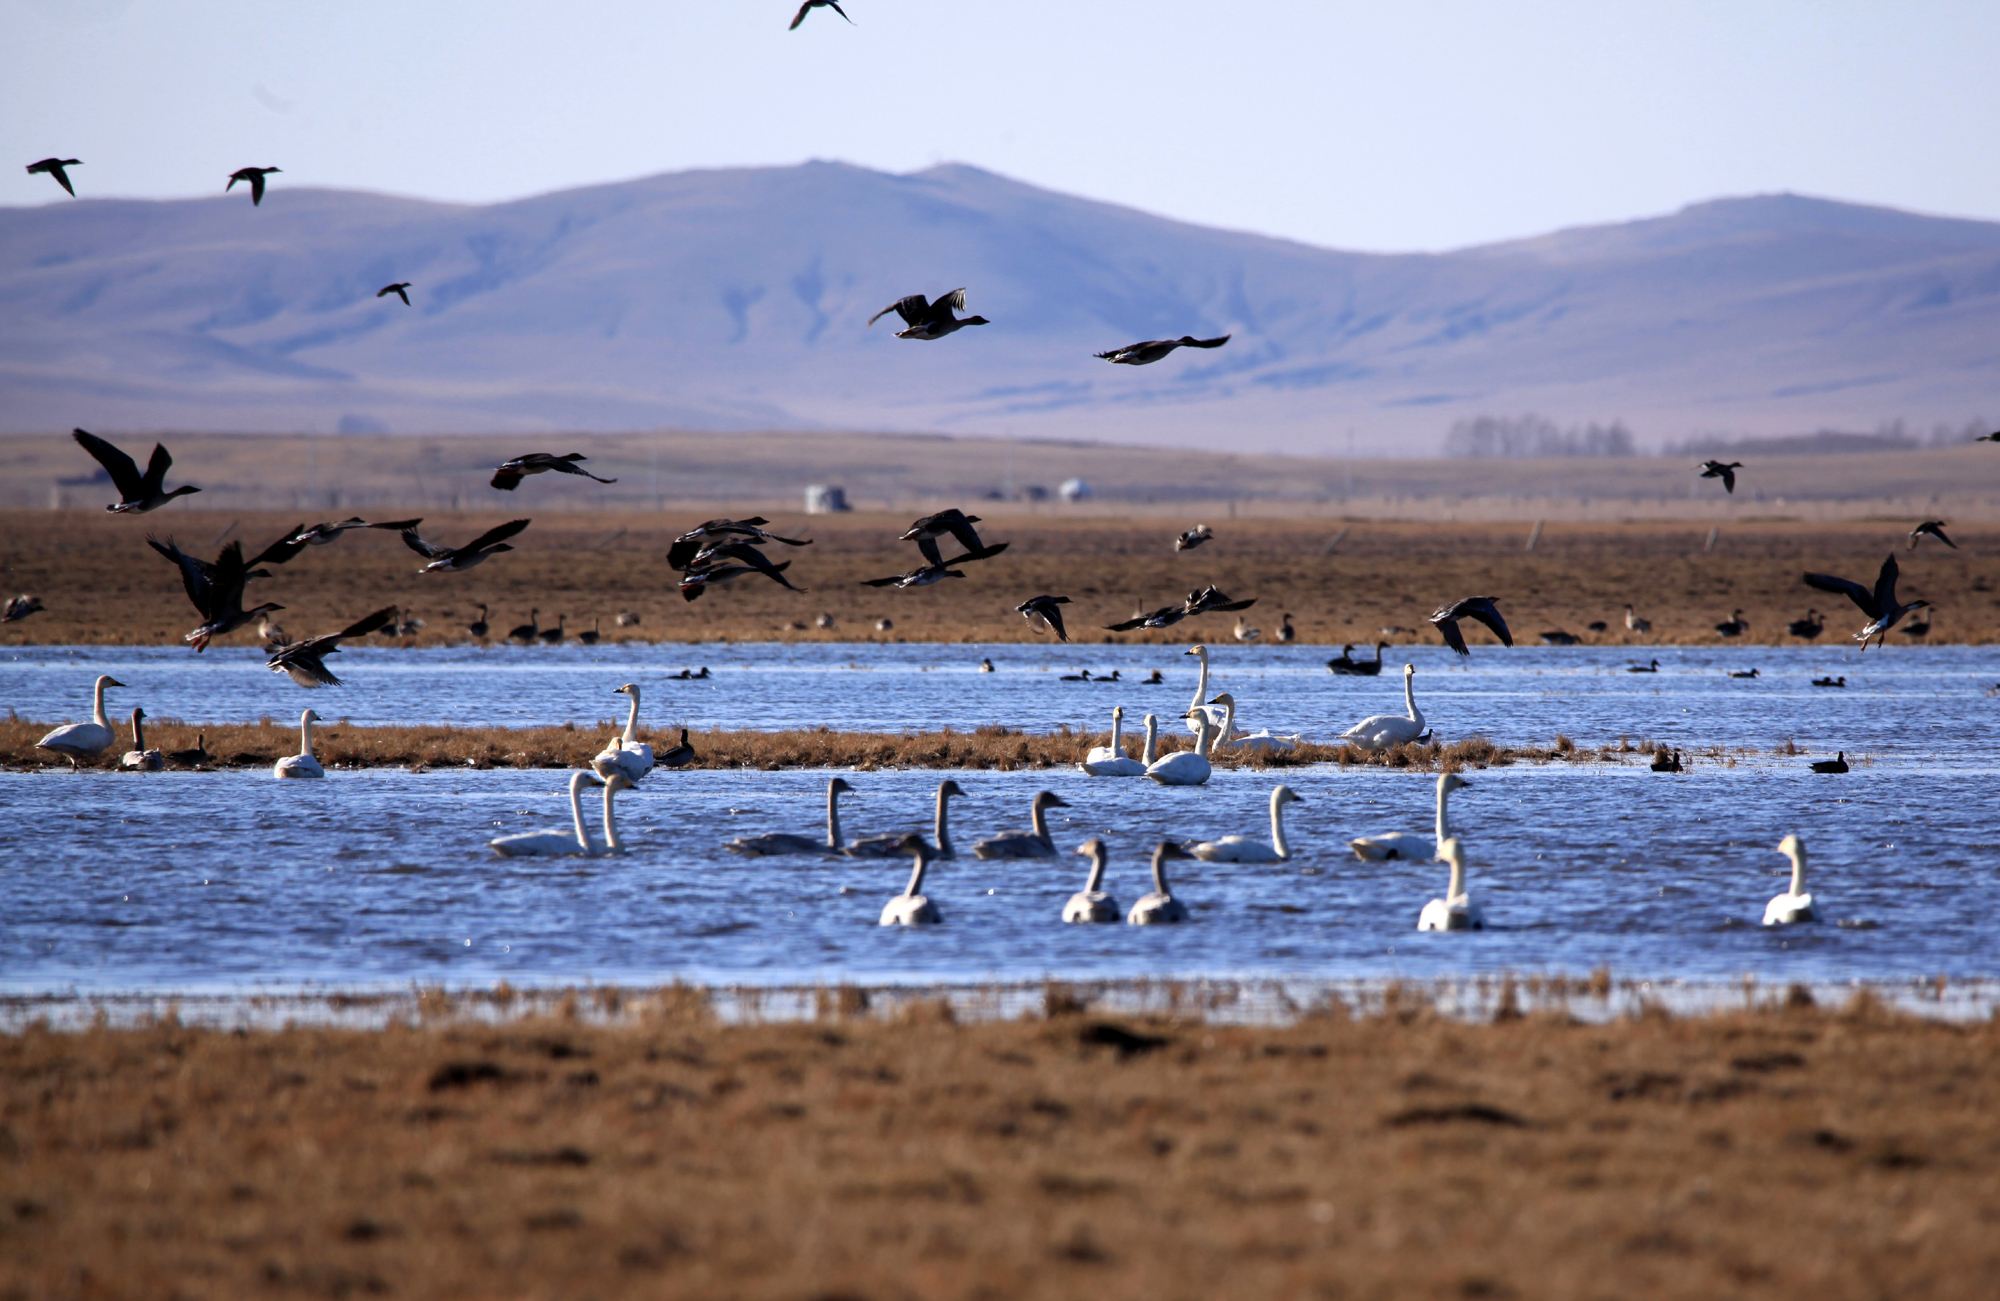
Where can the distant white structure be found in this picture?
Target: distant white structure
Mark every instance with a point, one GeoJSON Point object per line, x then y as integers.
{"type": "Point", "coordinates": [826, 499]}
{"type": "Point", "coordinates": [1075, 490]}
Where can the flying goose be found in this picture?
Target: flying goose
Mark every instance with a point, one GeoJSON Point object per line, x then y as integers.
{"type": "Point", "coordinates": [1725, 471]}
{"type": "Point", "coordinates": [1145, 354]}
{"type": "Point", "coordinates": [892, 844]}
{"type": "Point", "coordinates": [216, 590]}
{"type": "Point", "coordinates": [912, 908]}
{"type": "Point", "coordinates": [1043, 607]}
{"type": "Point", "coordinates": [453, 559]}
{"type": "Point", "coordinates": [811, 5]}
{"type": "Point", "coordinates": [401, 289]}
{"type": "Point", "coordinates": [1034, 843]}
{"type": "Point", "coordinates": [323, 533]}
{"type": "Point", "coordinates": [1472, 607]}
{"type": "Point", "coordinates": [75, 741]}
{"type": "Point", "coordinates": [685, 547]}
{"type": "Point", "coordinates": [20, 607]}
{"type": "Point", "coordinates": [54, 167]}
{"type": "Point", "coordinates": [255, 176]}
{"type": "Point", "coordinates": [139, 758]}
{"type": "Point", "coordinates": [1091, 905]}
{"type": "Point", "coordinates": [784, 842]}
{"type": "Point", "coordinates": [1193, 538]}
{"type": "Point", "coordinates": [922, 576]}
{"type": "Point", "coordinates": [929, 318]}
{"type": "Point", "coordinates": [1212, 597]}
{"type": "Point", "coordinates": [1164, 617]}
{"type": "Point", "coordinates": [717, 572]}
{"type": "Point", "coordinates": [928, 531]}
{"type": "Point", "coordinates": [719, 554]}
{"type": "Point", "coordinates": [137, 493]}
{"type": "Point", "coordinates": [303, 661]}
{"type": "Point", "coordinates": [508, 477]}
{"type": "Point", "coordinates": [1160, 907]}
{"type": "Point", "coordinates": [1880, 604]}
{"type": "Point", "coordinates": [1932, 528]}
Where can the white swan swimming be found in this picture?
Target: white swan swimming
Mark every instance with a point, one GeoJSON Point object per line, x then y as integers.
{"type": "Point", "coordinates": [1092, 904]}
{"type": "Point", "coordinates": [912, 908]}
{"type": "Point", "coordinates": [302, 764]}
{"type": "Point", "coordinates": [784, 842]}
{"type": "Point", "coordinates": [894, 842]}
{"type": "Point", "coordinates": [1111, 760]}
{"type": "Point", "coordinates": [626, 755]}
{"type": "Point", "coordinates": [1035, 843]}
{"type": "Point", "coordinates": [76, 741]}
{"type": "Point", "coordinates": [1160, 907]}
{"type": "Point", "coordinates": [1456, 911]}
{"type": "Point", "coordinates": [139, 758]}
{"type": "Point", "coordinates": [1795, 904]}
{"type": "Point", "coordinates": [1242, 849]}
{"type": "Point", "coordinates": [1263, 740]}
{"type": "Point", "coordinates": [1380, 731]}
{"type": "Point", "coordinates": [524, 844]}
{"type": "Point", "coordinates": [1200, 705]}
{"type": "Point", "coordinates": [1409, 844]}
{"type": "Point", "coordinates": [1188, 767]}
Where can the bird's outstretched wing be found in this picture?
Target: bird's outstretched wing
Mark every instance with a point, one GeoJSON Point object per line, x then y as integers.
{"type": "Point", "coordinates": [890, 581]}
{"type": "Point", "coordinates": [912, 308]}
{"type": "Point", "coordinates": [498, 533]}
{"type": "Point", "coordinates": [1050, 611]}
{"type": "Point", "coordinates": [929, 547]}
{"type": "Point", "coordinates": [568, 465]}
{"type": "Point", "coordinates": [1728, 479]}
{"type": "Point", "coordinates": [195, 574]}
{"type": "Point", "coordinates": [283, 549]}
{"type": "Point", "coordinates": [800, 16]}
{"type": "Point", "coordinates": [1885, 584]}
{"type": "Point", "coordinates": [1863, 599]}
{"type": "Point", "coordinates": [123, 470]}
{"type": "Point", "coordinates": [1188, 342]}
{"type": "Point", "coordinates": [1489, 614]}
{"type": "Point", "coordinates": [1448, 628]}
{"type": "Point", "coordinates": [507, 480]}
{"type": "Point", "coordinates": [951, 300]}
{"type": "Point", "coordinates": [835, 6]}
{"type": "Point", "coordinates": [371, 623]}
{"type": "Point", "coordinates": [428, 550]}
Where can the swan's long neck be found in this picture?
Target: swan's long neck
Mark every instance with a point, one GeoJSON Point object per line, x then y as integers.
{"type": "Point", "coordinates": [1038, 820]}
{"type": "Point", "coordinates": [632, 719]}
{"type": "Point", "coordinates": [1228, 720]}
{"type": "Point", "coordinates": [1096, 882]}
{"type": "Point", "coordinates": [1799, 869]}
{"type": "Point", "coordinates": [1443, 828]}
{"type": "Point", "coordinates": [1410, 697]}
{"type": "Point", "coordinates": [1378, 653]}
{"type": "Point", "coordinates": [1456, 890]}
{"type": "Point", "coordinates": [833, 818]}
{"type": "Point", "coordinates": [940, 829]}
{"type": "Point", "coordinates": [1206, 738]}
{"type": "Point", "coordinates": [576, 781]}
{"type": "Point", "coordinates": [1118, 732]}
{"type": "Point", "coordinates": [138, 730]}
{"type": "Point", "coordinates": [611, 845]}
{"type": "Point", "coordinates": [306, 736]}
{"type": "Point", "coordinates": [916, 885]}
{"type": "Point", "coordinates": [1151, 752]}
{"type": "Point", "coordinates": [1160, 872]}
{"type": "Point", "coordinates": [1278, 827]}
{"type": "Point", "coordinates": [97, 706]}
{"type": "Point", "coordinates": [1200, 684]}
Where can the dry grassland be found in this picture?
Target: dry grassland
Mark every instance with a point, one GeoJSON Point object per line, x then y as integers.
{"type": "Point", "coordinates": [102, 584]}
{"type": "Point", "coordinates": [1793, 1153]}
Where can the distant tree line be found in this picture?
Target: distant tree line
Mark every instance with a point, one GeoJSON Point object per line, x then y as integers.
{"type": "Point", "coordinates": [1889, 436]}
{"type": "Point", "coordinates": [1490, 437]}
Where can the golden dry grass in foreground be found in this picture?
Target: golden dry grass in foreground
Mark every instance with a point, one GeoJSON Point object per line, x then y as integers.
{"type": "Point", "coordinates": [102, 584]}
{"type": "Point", "coordinates": [1783, 1153]}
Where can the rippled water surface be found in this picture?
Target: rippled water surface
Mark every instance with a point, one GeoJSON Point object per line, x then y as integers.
{"type": "Point", "coordinates": [232, 881]}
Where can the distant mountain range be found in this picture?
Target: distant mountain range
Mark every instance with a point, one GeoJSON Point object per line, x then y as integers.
{"type": "Point", "coordinates": [738, 300]}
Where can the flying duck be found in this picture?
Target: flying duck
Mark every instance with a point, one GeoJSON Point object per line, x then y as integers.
{"type": "Point", "coordinates": [54, 167]}
{"type": "Point", "coordinates": [1723, 470]}
{"type": "Point", "coordinates": [508, 477]}
{"type": "Point", "coordinates": [401, 289]}
{"type": "Point", "coordinates": [1044, 608]}
{"type": "Point", "coordinates": [1145, 354]}
{"type": "Point", "coordinates": [492, 542]}
{"type": "Point", "coordinates": [323, 534]}
{"type": "Point", "coordinates": [1879, 604]}
{"type": "Point", "coordinates": [20, 607]}
{"type": "Point", "coordinates": [1933, 528]}
{"type": "Point", "coordinates": [255, 176]}
{"type": "Point", "coordinates": [1194, 537]}
{"type": "Point", "coordinates": [811, 5]}
{"type": "Point", "coordinates": [137, 493]}
{"type": "Point", "coordinates": [929, 318]}
{"type": "Point", "coordinates": [1472, 607]}
{"type": "Point", "coordinates": [929, 530]}
{"type": "Point", "coordinates": [303, 661]}
{"type": "Point", "coordinates": [690, 544]}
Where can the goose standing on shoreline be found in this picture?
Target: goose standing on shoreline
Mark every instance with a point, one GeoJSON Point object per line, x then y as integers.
{"type": "Point", "coordinates": [1348, 665]}
{"type": "Point", "coordinates": [1635, 624]}
{"type": "Point", "coordinates": [1381, 731]}
{"type": "Point", "coordinates": [302, 764]}
{"type": "Point", "coordinates": [1033, 843]}
{"type": "Point", "coordinates": [1456, 911]}
{"type": "Point", "coordinates": [139, 758]}
{"type": "Point", "coordinates": [785, 842]}
{"type": "Point", "coordinates": [553, 636]}
{"type": "Point", "coordinates": [1408, 845]}
{"type": "Point", "coordinates": [1188, 767]}
{"type": "Point", "coordinates": [479, 627]}
{"type": "Point", "coordinates": [912, 907]}
{"type": "Point", "coordinates": [1808, 628]}
{"type": "Point", "coordinates": [1795, 904]}
{"type": "Point", "coordinates": [1734, 626]}
{"type": "Point", "coordinates": [525, 844]}
{"type": "Point", "coordinates": [75, 741]}
{"type": "Point", "coordinates": [895, 842]}
{"type": "Point", "coordinates": [1091, 905]}
{"type": "Point", "coordinates": [1160, 907]}
{"type": "Point", "coordinates": [525, 633]}
{"type": "Point", "coordinates": [195, 756]}
{"type": "Point", "coordinates": [1112, 761]}
{"type": "Point", "coordinates": [627, 756]}
{"type": "Point", "coordinates": [1242, 849]}
{"type": "Point", "coordinates": [137, 493]}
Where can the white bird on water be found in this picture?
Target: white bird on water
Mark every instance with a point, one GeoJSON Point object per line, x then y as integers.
{"type": "Point", "coordinates": [76, 741]}
{"type": "Point", "coordinates": [1408, 844]}
{"type": "Point", "coordinates": [1188, 767]}
{"type": "Point", "coordinates": [1456, 911]}
{"type": "Point", "coordinates": [1380, 731]}
{"type": "Point", "coordinates": [1242, 849]}
{"type": "Point", "coordinates": [1795, 904]}
{"type": "Point", "coordinates": [627, 756]}
{"type": "Point", "coordinates": [525, 844]}
{"type": "Point", "coordinates": [302, 764]}
{"type": "Point", "coordinates": [1111, 760]}
{"type": "Point", "coordinates": [139, 758]}
{"type": "Point", "coordinates": [1200, 704]}
{"type": "Point", "coordinates": [1091, 904]}
{"type": "Point", "coordinates": [912, 907]}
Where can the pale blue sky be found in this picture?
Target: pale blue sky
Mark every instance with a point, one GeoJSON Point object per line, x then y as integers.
{"type": "Point", "coordinates": [1358, 125]}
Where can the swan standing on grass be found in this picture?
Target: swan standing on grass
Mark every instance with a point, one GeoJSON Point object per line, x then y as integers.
{"type": "Point", "coordinates": [1188, 767]}
{"type": "Point", "coordinates": [1026, 844]}
{"type": "Point", "coordinates": [76, 741]}
{"type": "Point", "coordinates": [1111, 760]}
{"type": "Point", "coordinates": [912, 908]}
{"type": "Point", "coordinates": [139, 758]}
{"type": "Point", "coordinates": [1380, 731]}
{"type": "Point", "coordinates": [525, 844]}
{"type": "Point", "coordinates": [301, 764]}
{"type": "Point", "coordinates": [1407, 844]}
{"type": "Point", "coordinates": [1160, 907]}
{"type": "Point", "coordinates": [1242, 849]}
{"type": "Point", "coordinates": [784, 842]}
{"type": "Point", "coordinates": [1456, 911]}
{"type": "Point", "coordinates": [1091, 904]}
{"type": "Point", "coordinates": [1262, 740]}
{"type": "Point", "coordinates": [627, 756]}
{"type": "Point", "coordinates": [1795, 904]}
{"type": "Point", "coordinates": [890, 845]}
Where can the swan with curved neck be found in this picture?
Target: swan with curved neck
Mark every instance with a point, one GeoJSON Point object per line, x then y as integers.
{"type": "Point", "coordinates": [1111, 760]}
{"type": "Point", "coordinates": [1160, 907]}
{"type": "Point", "coordinates": [1242, 849]}
{"type": "Point", "coordinates": [1456, 911]}
{"type": "Point", "coordinates": [1188, 767]}
{"type": "Point", "coordinates": [1380, 731]}
{"type": "Point", "coordinates": [912, 908]}
{"type": "Point", "coordinates": [302, 764]}
{"type": "Point", "coordinates": [77, 741]}
{"type": "Point", "coordinates": [892, 844]}
{"type": "Point", "coordinates": [1034, 843]}
{"type": "Point", "coordinates": [1199, 705]}
{"type": "Point", "coordinates": [627, 755]}
{"type": "Point", "coordinates": [1795, 904]}
{"type": "Point", "coordinates": [785, 842]}
{"type": "Point", "coordinates": [1091, 904]}
{"type": "Point", "coordinates": [526, 844]}
{"type": "Point", "coordinates": [139, 758]}
{"type": "Point", "coordinates": [1408, 844]}
{"type": "Point", "coordinates": [1263, 740]}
